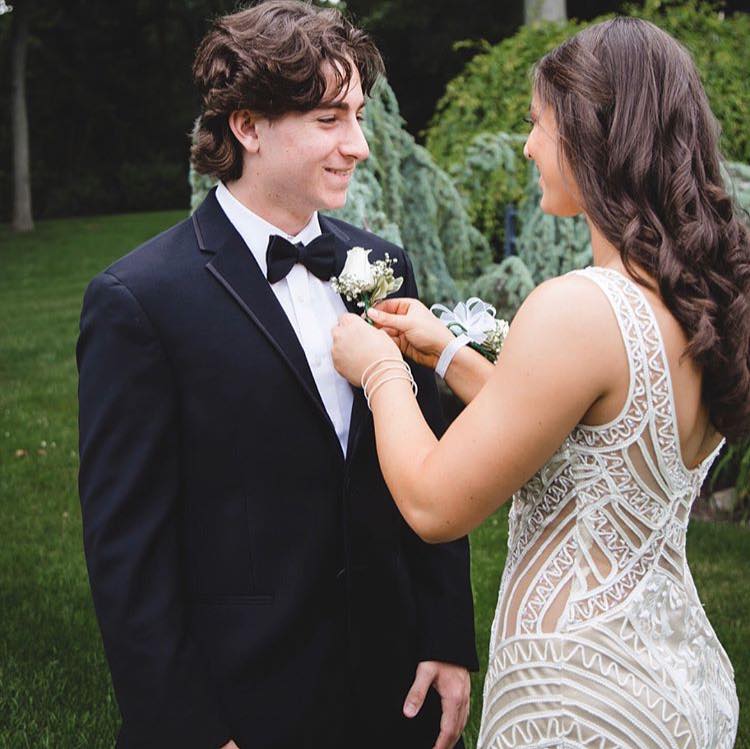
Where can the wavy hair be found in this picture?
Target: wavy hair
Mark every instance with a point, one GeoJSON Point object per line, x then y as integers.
{"type": "Point", "coordinates": [638, 135]}
{"type": "Point", "coordinates": [270, 58]}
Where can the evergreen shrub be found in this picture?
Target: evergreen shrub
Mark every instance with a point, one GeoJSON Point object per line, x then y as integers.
{"type": "Point", "coordinates": [492, 95]}
{"type": "Point", "coordinates": [493, 92]}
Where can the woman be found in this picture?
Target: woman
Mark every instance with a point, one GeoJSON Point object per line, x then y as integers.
{"type": "Point", "coordinates": [610, 400]}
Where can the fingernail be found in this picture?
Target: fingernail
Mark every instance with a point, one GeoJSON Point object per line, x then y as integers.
{"type": "Point", "coordinates": [410, 710]}
{"type": "Point", "coordinates": [373, 313]}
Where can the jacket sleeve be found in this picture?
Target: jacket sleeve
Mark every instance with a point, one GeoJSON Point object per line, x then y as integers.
{"type": "Point", "coordinates": [441, 572]}
{"type": "Point", "coordinates": [130, 500]}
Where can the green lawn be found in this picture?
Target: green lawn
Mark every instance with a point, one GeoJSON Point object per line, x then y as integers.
{"type": "Point", "coordinates": [54, 683]}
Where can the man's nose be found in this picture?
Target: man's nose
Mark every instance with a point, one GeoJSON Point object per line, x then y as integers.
{"type": "Point", "coordinates": [355, 143]}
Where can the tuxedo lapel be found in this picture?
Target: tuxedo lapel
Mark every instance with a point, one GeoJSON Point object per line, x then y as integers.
{"type": "Point", "coordinates": [360, 412]}
{"type": "Point", "coordinates": [235, 268]}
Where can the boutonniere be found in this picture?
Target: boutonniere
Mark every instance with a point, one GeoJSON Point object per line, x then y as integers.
{"type": "Point", "coordinates": [364, 282]}
{"type": "Point", "coordinates": [475, 319]}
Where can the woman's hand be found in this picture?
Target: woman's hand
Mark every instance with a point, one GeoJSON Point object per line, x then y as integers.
{"type": "Point", "coordinates": [357, 345]}
{"type": "Point", "coordinates": [417, 332]}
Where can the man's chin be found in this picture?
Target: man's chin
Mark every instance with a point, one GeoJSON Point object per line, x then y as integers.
{"type": "Point", "coordinates": [334, 202]}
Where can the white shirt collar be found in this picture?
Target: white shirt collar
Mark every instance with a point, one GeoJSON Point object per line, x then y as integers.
{"type": "Point", "coordinates": [256, 230]}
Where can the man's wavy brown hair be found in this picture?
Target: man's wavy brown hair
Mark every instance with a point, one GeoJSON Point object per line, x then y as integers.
{"type": "Point", "coordinates": [272, 59]}
{"type": "Point", "coordinates": [638, 135]}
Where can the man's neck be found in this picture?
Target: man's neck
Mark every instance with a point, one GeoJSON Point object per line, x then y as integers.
{"type": "Point", "coordinates": [282, 217]}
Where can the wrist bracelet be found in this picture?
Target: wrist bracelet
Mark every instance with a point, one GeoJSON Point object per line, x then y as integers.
{"type": "Point", "coordinates": [375, 372]}
{"type": "Point", "coordinates": [449, 352]}
{"type": "Point", "coordinates": [402, 376]}
{"type": "Point", "coordinates": [371, 369]}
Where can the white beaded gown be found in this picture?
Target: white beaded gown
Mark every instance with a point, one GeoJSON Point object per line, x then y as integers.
{"type": "Point", "coordinates": [599, 639]}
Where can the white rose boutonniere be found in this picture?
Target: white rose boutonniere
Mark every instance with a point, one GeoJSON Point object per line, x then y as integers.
{"type": "Point", "coordinates": [477, 320]}
{"type": "Point", "coordinates": [364, 282]}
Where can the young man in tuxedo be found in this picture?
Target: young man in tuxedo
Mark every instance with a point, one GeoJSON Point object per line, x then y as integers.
{"type": "Point", "coordinates": [254, 582]}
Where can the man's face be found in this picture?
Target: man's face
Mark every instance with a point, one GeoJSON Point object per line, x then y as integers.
{"type": "Point", "coordinates": [305, 161]}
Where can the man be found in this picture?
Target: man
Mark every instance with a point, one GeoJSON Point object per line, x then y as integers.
{"type": "Point", "coordinates": [254, 584]}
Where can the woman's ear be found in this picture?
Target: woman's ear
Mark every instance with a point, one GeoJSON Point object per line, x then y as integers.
{"type": "Point", "coordinates": [243, 122]}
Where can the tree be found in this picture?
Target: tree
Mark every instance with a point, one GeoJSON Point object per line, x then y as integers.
{"type": "Point", "coordinates": [418, 41]}
{"type": "Point", "coordinates": [544, 10]}
{"type": "Point", "coordinates": [22, 216]}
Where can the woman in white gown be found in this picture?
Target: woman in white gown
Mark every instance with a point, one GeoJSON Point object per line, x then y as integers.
{"type": "Point", "coordinates": [612, 396]}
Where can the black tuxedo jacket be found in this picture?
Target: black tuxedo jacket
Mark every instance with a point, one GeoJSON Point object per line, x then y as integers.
{"type": "Point", "coordinates": [249, 582]}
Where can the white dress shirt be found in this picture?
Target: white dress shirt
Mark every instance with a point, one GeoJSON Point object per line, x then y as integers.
{"type": "Point", "coordinates": [312, 306]}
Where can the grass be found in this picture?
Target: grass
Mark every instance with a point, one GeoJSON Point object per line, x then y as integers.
{"type": "Point", "coordinates": [54, 683]}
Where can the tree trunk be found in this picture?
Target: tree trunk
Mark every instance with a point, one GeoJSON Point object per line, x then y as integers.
{"type": "Point", "coordinates": [22, 216]}
{"type": "Point", "coordinates": [545, 10]}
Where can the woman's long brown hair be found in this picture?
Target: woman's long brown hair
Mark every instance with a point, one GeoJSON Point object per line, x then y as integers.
{"type": "Point", "coordinates": [639, 137]}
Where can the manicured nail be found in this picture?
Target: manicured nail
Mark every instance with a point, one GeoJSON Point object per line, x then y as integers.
{"type": "Point", "coordinates": [373, 313]}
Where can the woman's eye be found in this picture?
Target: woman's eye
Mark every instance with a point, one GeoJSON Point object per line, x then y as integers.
{"type": "Point", "coordinates": [528, 120]}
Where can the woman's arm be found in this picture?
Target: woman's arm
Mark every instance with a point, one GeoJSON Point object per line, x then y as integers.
{"type": "Point", "coordinates": [560, 356]}
{"type": "Point", "coordinates": [422, 337]}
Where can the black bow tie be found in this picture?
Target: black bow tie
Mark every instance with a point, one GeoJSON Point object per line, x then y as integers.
{"type": "Point", "coordinates": [318, 257]}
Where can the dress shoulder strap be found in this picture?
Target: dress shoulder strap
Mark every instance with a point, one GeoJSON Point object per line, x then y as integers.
{"type": "Point", "coordinates": [641, 340]}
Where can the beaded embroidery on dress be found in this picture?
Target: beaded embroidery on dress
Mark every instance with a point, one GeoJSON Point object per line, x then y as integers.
{"type": "Point", "coordinates": [599, 639]}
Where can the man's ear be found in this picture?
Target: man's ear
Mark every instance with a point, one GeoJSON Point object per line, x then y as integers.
{"type": "Point", "coordinates": [242, 122]}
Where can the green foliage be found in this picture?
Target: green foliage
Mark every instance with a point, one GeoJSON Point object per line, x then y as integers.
{"type": "Point", "coordinates": [733, 469]}
{"type": "Point", "coordinates": [416, 39]}
{"type": "Point", "coordinates": [401, 194]}
{"type": "Point", "coordinates": [737, 180]}
{"type": "Point", "coordinates": [720, 45]}
{"type": "Point", "coordinates": [488, 176]}
{"type": "Point", "coordinates": [493, 91]}
{"type": "Point", "coordinates": [478, 127]}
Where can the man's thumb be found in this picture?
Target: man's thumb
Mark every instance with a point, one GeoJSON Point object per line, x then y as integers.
{"type": "Point", "coordinates": [418, 692]}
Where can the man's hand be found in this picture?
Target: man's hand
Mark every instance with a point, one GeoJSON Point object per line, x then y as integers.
{"type": "Point", "coordinates": [453, 684]}
{"type": "Point", "coordinates": [230, 745]}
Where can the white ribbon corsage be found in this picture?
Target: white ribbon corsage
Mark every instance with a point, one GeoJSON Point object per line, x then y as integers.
{"type": "Point", "coordinates": [476, 320]}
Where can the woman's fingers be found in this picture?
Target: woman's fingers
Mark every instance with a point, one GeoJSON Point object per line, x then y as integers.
{"type": "Point", "coordinates": [384, 319]}
{"type": "Point", "coordinates": [396, 305]}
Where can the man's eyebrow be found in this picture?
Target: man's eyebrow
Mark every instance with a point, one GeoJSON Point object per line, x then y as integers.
{"type": "Point", "coordinates": [343, 105]}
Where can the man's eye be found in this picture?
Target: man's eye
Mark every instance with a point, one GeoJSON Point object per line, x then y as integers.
{"type": "Point", "coordinates": [327, 120]}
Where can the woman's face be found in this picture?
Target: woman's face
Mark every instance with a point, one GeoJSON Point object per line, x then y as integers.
{"type": "Point", "coordinates": [560, 196]}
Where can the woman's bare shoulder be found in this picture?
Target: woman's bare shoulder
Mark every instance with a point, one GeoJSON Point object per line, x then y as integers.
{"type": "Point", "coordinates": [571, 302]}
{"type": "Point", "coordinates": [568, 327]}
